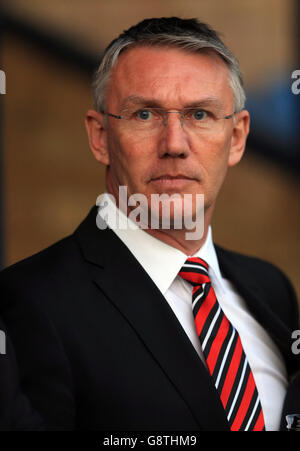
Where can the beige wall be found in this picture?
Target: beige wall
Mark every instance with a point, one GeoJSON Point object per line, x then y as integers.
{"type": "Point", "coordinates": [260, 32]}
{"type": "Point", "coordinates": [51, 178]}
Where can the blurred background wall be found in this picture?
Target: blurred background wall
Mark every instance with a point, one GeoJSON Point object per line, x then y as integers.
{"type": "Point", "coordinates": [50, 180]}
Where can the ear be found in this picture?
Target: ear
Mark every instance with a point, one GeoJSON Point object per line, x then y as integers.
{"type": "Point", "coordinates": [97, 134]}
{"type": "Point", "coordinates": [239, 137]}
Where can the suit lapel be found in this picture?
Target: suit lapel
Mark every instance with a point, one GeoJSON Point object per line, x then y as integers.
{"type": "Point", "coordinates": [124, 282]}
{"type": "Point", "coordinates": [246, 285]}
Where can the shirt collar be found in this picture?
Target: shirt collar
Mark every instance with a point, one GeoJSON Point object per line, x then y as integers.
{"type": "Point", "coordinates": [161, 261]}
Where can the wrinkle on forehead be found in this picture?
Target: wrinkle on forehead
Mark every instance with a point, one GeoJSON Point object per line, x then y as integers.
{"type": "Point", "coordinates": [140, 101]}
{"type": "Point", "coordinates": [168, 75]}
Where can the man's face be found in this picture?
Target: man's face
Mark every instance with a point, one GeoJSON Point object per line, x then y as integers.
{"type": "Point", "coordinates": [173, 158]}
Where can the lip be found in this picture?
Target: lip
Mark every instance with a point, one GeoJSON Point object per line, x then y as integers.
{"type": "Point", "coordinates": [172, 181]}
{"type": "Point", "coordinates": [173, 177]}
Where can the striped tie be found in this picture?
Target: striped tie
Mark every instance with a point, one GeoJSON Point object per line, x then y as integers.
{"type": "Point", "coordinates": [223, 352]}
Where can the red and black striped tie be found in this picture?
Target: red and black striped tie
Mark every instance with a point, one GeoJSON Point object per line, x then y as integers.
{"type": "Point", "coordinates": [223, 352]}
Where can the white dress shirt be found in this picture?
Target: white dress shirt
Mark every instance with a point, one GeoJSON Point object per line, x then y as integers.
{"type": "Point", "coordinates": [163, 263]}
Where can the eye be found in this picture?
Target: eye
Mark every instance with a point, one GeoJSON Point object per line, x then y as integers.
{"type": "Point", "coordinates": [144, 115]}
{"type": "Point", "coordinates": [199, 115]}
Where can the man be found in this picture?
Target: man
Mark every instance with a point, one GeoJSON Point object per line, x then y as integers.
{"type": "Point", "coordinates": [124, 326]}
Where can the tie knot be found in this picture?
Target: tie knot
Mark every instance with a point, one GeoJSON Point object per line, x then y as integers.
{"type": "Point", "coordinates": [195, 271]}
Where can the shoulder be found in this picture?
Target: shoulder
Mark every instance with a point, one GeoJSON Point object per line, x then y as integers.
{"type": "Point", "coordinates": [266, 279]}
{"type": "Point", "coordinates": [58, 264]}
{"type": "Point", "coordinates": [41, 266]}
{"type": "Point", "coordinates": [37, 285]}
{"type": "Point", "coordinates": [241, 257]}
{"type": "Point", "coordinates": [261, 267]}
{"type": "Point", "coordinates": [254, 266]}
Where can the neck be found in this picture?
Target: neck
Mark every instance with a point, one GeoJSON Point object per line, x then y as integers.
{"type": "Point", "coordinates": [177, 238]}
{"type": "Point", "coordinates": [186, 240]}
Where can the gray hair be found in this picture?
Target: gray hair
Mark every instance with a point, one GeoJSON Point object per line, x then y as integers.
{"type": "Point", "coordinates": [186, 34]}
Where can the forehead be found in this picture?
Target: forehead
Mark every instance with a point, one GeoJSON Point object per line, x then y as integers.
{"type": "Point", "coordinates": [172, 76]}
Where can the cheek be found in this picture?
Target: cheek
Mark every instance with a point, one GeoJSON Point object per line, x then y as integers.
{"type": "Point", "coordinates": [219, 143]}
{"type": "Point", "coordinates": [214, 162]}
{"type": "Point", "coordinates": [215, 153]}
{"type": "Point", "coordinates": [129, 156]}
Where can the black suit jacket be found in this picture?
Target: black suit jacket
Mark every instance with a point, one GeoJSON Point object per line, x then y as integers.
{"type": "Point", "coordinates": [292, 401]}
{"type": "Point", "coordinates": [16, 412]}
{"type": "Point", "coordinates": [99, 347]}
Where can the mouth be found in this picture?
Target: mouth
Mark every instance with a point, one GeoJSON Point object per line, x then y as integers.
{"type": "Point", "coordinates": [172, 181]}
{"type": "Point", "coordinates": [172, 177]}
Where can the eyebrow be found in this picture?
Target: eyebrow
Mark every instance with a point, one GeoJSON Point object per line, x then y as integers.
{"type": "Point", "coordinates": [149, 102]}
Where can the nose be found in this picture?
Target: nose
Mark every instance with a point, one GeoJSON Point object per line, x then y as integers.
{"type": "Point", "coordinates": [174, 141]}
